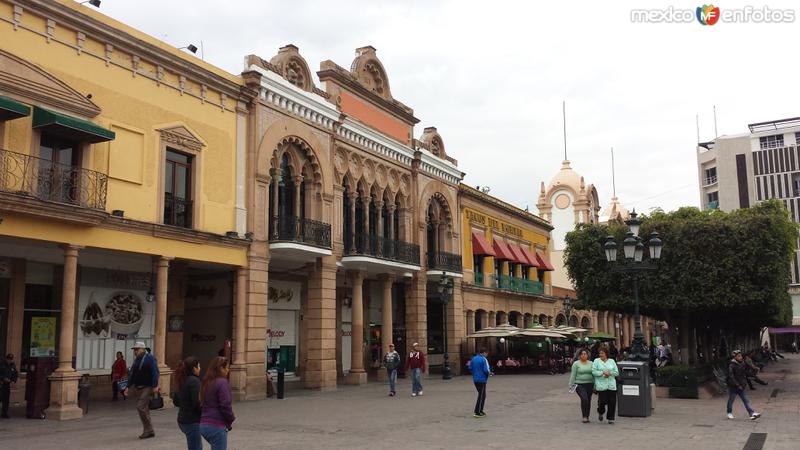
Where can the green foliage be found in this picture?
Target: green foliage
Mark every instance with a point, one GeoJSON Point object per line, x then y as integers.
{"type": "Point", "coordinates": [724, 269]}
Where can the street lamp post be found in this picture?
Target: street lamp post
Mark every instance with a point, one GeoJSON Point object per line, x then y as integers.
{"type": "Point", "coordinates": [445, 294]}
{"type": "Point", "coordinates": [567, 309]}
{"type": "Point", "coordinates": [634, 263]}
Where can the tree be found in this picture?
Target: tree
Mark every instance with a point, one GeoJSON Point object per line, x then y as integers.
{"type": "Point", "coordinates": [718, 271]}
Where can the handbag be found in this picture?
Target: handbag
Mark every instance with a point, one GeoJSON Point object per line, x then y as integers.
{"type": "Point", "coordinates": [122, 385]}
{"type": "Point", "coordinates": [156, 402]}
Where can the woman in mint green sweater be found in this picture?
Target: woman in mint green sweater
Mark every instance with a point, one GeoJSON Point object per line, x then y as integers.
{"type": "Point", "coordinates": [583, 380]}
{"type": "Point", "coordinates": [605, 373]}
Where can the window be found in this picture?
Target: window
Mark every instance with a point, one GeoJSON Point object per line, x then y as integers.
{"type": "Point", "coordinates": [796, 138]}
{"type": "Point", "coordinates": [711, 176]}
{"type": "Point", "coordinates": [178, 189]}
{"type": "Point", "coordinates": [713, 200]}
{"type": "Point", "coordinates": [796, 184]}
{"type": "Point", "coordinates": [58, 169]}
{"type": "Point", "coordinates": [774, 141]}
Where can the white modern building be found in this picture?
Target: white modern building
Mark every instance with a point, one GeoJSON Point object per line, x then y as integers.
{"type": "Point", "coordinates": [741, 170]}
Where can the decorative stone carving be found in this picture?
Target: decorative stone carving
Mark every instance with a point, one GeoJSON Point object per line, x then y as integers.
{"type": "Point", "coordinates": [394, 180]}
{"type": "Point", "coordinates": [340, 162]}
{"type": "Point", "coordinates": [369, 172]}
{"type": "Point", "coordinates": [369, 72]}
{"type": "Point", "coordinates": [182, 137]}
{"type": "Point", "coordinates": [380, 176]}
{"type": "Point", "coordinates": [355, 166]}
{"type": "Point", "coordinates": [291, 66]}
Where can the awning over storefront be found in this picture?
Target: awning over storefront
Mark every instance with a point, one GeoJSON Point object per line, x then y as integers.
{"type": "Point", "coordinates": [480, 246]}
{"type": "Point", "coordinates": [784, 330]}
{"type": "Point", "coordinates": [501, 250]}
{"type": "Point", "coordinates": [70, 127]}
{"type": "Point", "coordinates": [518, 255]}
{"type": "Point", "coordinates": [544, 263]}
{"type": "Point", "coordinates": [529, 257]}
{"type": "Point", "coordinates": [11, 109]}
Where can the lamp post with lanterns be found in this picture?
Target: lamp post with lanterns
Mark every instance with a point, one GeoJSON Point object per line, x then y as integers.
{"type": "Point", "coordinates": [445, 289]}
{"type": "Point", "coordinates": [567, 310]}
{"type": "Point", "coordinates": [634, 263]}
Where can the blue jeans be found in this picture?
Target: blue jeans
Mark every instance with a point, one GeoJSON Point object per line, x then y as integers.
{"type": "Point", "coordinates": [732, 393]}
{"type": "Point", "coordinates": [192, 432]}
{"type": "Point", "coordinates": [214, 435]}
{"type": "Point", "coordinates": [416, 380]}
{"type": "Point", "coordinates": [392, 378]}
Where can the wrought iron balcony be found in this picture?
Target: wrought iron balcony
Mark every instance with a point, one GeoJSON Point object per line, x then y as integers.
{"type": "Point", "coordinates": [383, 248]}
{"type": "Point", "coordinates": [444, 261]}
{"type": "Point", "coordinates": [177, 211]}
{"type": "Point", "coordinates": [520, 285]}
{"type": "Point", "coordinates": [306, 231]}
{"type": "Point", "coordinates": [478, 279]}
{"type": "Point", "coordinates": [43, 179]}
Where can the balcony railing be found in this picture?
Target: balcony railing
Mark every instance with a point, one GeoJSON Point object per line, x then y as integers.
{"type": "Point", "coordinates": [521, 285]}
{"type": "Point", "coordinates": [46, 180]}
{"type": "Point", "coordinates": [478, 279]}
{"type": "Point", "coordinates": [710, 180]}
{"type": "Point", "coordinates": [444, 261]}
{"type": "Point", "coordinates": [177, 211]}
{"type": "Point", "coordinates": [713, 205]}
{"type": "Point", "coordinates": [306, 231]}
{"type": "Point", "coordinates": [384, 248]}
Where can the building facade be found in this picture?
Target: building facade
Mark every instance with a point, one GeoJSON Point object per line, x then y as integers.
{"type": "Point", "coordinates": [120, 196]}
{"type": "Point", "coordinates": [741, 170]}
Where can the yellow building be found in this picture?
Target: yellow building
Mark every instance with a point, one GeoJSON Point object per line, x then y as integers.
{"type": "Point", "coordinates": [121, 195]}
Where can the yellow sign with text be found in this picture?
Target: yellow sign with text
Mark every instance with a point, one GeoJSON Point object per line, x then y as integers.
{"type": "Point", "coordinates": [494, 224]}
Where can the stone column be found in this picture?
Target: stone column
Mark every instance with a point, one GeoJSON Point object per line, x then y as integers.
{"type": "Point", "coordinates": [379, 226]}
{"type": "Point", "coordinates": [256, 319]}
{"type": "Point", "coordinates": [492, 319]}
{"type": "Point", "coordinates": [365, 201]}
{"type": "Point", "coordinates": [392, 231]}
{"type": "Point", "coordinates": [64, 381]}
{"type": "Point", "coordinates": [352, 196]}
{"type": "Point", "coordinates": [276, 176]}
{"type": "Point", "coordinates": [456, 328]}
{"type": "Point", "coordinates": [238, 373]}
{"type": "Point", "coordinates": [298, 182]}
{"type": "Point", "coordinates": [599, 324]}
{"type": "Point", "coordinates": [470, 330]}
{"type": "Point", "coordinates": [386, 319]}
{"type": "Point", "coordinates": [322, 333]}
{"type": "Point", "coordinates": [160, 343]}
{"type": "Point", "coordinates": [610, 324]}
{"type": "Point", "coordinates": [357, 375]}
{"type": "Point", "coordinates": [416, 313]}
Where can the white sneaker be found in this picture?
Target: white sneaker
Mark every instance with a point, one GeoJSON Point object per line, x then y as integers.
{"type": "Point", "coordinates": [420, 393]}
{"type": "Point", "coordinates": [755, 416]}
{"type": "Point", "coordinates": [413, 394]}
{"type": "Point", "coordinates": [730, 416]}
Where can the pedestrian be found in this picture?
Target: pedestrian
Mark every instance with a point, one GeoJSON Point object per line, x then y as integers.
{"type": "Point", "coordinates": [582, 382]}
{"type": "Point", "coordinates": [8, 377]}
{"type": "Point", "coordinates": [216, 418]}
{"type": "Point", "coordinates": [187, 399]}
{"type": "Point", "coordinates": [737, 380]}
{"type": "Point", "coordinates": [416, 362]}
{"type": "Point", "coordinates": [119, 372]}
{"type": "Point", "coordinates": [391, 360]}
{"type": "Point", "coordinates": [143, 376]}
{"type": "Point", "coordinates": [605, 372]}
{"type": "Point", "coordinates": [479, 366]}
{"type": "Point", "coordinates": [613, 352]}
{"type": "Point", "coordinates": [794, 346]}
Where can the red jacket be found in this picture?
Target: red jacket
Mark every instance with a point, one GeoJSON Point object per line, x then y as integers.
{"type": "Point", "coordinates": [119, 371]}
{"type": "Point", "coordinates": [416, 360]}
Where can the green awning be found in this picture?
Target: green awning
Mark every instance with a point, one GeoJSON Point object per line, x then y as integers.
{"type": "Point", "coordinates": [70, 127]}
{"type": "Point", "coordinates": [11, 109]}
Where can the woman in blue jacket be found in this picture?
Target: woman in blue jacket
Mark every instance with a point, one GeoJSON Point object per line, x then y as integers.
{"type": "Point", "coordinates": [479, 366]}
{"type": "Point", "coordinates": [605, 373]}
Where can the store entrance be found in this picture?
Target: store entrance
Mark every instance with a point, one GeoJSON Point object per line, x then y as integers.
{"type": "Point", "coordinates": [207, 319]}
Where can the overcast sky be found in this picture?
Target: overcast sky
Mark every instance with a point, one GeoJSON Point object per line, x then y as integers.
{"type": "Point", "coordinates": [491, 76]}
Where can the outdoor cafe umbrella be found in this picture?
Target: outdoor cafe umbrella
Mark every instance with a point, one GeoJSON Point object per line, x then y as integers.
{"type": "Point", "coordinates": [504, 330]}
{"type": "Point", "coordinates": [540, 332]}
{"type": "Point", "coordinates": [571, 329]}
{"type": "Point", "coordinates": [562, 332]}
{"type": "Point", "coordinates": [602, 337]}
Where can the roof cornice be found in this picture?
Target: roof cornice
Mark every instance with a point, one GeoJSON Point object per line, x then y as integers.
{"type": "Point", "coordinates": [511, 209]}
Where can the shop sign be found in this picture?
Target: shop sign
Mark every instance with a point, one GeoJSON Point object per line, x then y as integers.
{"type": "Point", "coordinates": [494, 224]}
{"type": "Point", "coordinates": [283, 295]}
{"type": "Point", "coordinates": [43, 336]}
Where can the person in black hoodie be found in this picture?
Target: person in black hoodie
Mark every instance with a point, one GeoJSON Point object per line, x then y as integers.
{"type": "Point", "coordinates": [8, 376]}
{"type": "Point", "coordinates": [187, 399]}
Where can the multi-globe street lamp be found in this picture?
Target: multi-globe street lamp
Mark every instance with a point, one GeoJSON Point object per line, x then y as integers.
{"type": "Point", "coordinates": [635, 264]}
{"type": "Point", "coordinates": [567, 309]}
{"type": "Point", "coordinates": [445, 289]}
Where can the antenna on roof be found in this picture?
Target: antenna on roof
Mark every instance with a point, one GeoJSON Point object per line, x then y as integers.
{"type": "Point", "coordinates": [697, 122]}
{"type": "Point", "coordinates": [613, 176]}
{"type": "Point", "coordinates": [564, 114]}
{"type": "Point", "coordinates": [716, 135]}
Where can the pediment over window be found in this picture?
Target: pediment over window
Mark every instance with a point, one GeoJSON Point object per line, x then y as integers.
{"type": "Point", "coordinates": [181, 136]}
{"type": "Point", "coordinates": [30, 82]}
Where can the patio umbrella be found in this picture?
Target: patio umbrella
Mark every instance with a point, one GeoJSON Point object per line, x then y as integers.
{"type": "Point", "coordinates": [540, 332]}
{"type": "Point", "coordinates": [563, 332]}
{"type": "Point", "coordinates": [603, 337]}
{"type": "Point", "coordinates": [571, 329]}
{"type": "Point", "coordinates": [504, 330]}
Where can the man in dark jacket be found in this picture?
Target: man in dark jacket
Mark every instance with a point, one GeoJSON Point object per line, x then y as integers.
{"type": "Point", "coordinates": [737, 380]}
{"type": "Point", "coordinates": [8, 376]}
{"type": "Point", "coordinates": [143, 376]}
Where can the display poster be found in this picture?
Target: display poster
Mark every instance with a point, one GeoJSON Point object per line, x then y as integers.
{"type": "Point", "coordinates": [43, 336]}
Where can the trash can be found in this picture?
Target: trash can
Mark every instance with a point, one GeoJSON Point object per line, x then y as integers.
{"type": "Point", "coordinates": [633, 389]}
{"type": "Point", "coordinates": [84, 391]}
{"type": "Point", "coordinates": [37, 386]}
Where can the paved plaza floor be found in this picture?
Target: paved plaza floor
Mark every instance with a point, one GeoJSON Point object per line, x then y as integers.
{"type": "Point", "coordinates": [524, 411]}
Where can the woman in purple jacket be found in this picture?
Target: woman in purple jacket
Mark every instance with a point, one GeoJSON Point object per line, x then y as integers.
{"type": "Point", "coordinates": [217, 416]}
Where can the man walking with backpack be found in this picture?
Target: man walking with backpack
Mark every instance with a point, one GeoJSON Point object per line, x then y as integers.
{"type": "Point", "coordinates": [479, 366]}
{"type": "Point", "coordinates": [737, 380]}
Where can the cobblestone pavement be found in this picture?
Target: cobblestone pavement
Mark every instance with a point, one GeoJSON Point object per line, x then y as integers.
{"type": "Point", "coordinates": [524, 411]}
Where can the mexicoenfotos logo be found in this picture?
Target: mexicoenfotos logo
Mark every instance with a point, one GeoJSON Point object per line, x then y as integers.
{"type": "Point", "coordinates": [710, 15]}
{"type": "Point", "coordinates": [707, 14]}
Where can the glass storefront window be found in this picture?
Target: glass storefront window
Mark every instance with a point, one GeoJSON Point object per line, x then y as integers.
{"type": "Point", "coordinates": [41, 302]}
